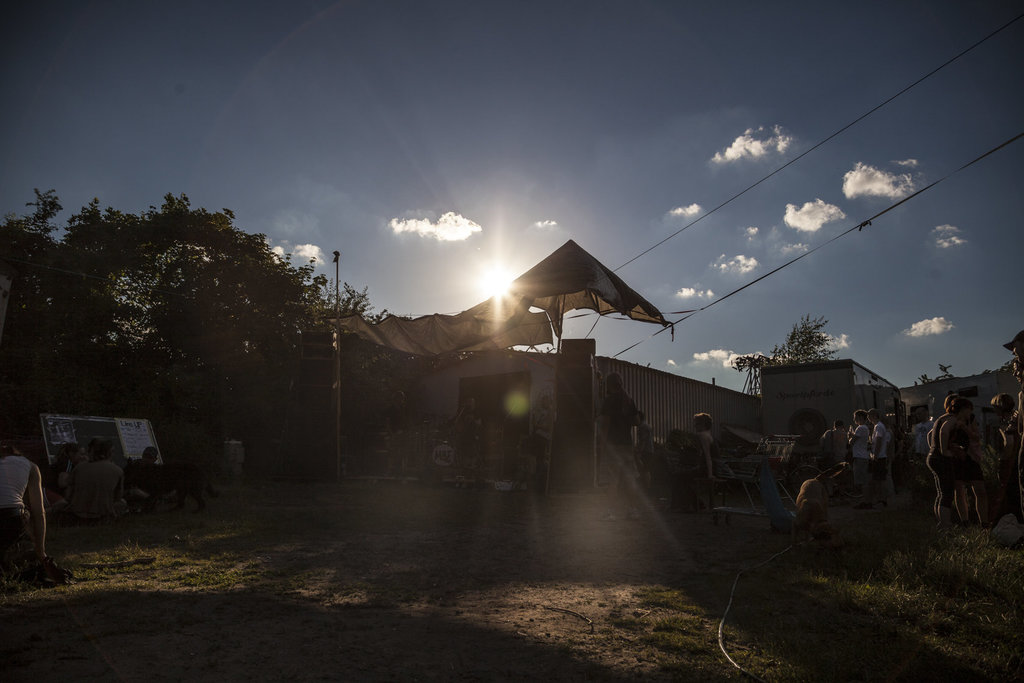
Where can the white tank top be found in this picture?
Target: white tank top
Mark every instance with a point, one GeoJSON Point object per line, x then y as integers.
{"type": "Point", "coordinates": [14, 471]}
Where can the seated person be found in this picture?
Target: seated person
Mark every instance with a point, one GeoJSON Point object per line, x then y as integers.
{"type": "Point", "coordinates": [136, 475]}
{"type": "Point", "coordinates": [55, 486]}
{"type": "Point", "coordinates": [96, 487]}
{"type": "Point", "coordinates": [20, 479]}
{"type": "Point", "coordinates": [149, 482]}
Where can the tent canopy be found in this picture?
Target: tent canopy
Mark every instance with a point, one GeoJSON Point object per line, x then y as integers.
{"type": "Point", "coordinates": [488, 325]}
{"type": "Point", "coordinates": [569, 278]}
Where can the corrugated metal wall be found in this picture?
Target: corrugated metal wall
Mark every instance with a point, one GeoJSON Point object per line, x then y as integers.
{"type": "Point", "coordinates": [670, 401]}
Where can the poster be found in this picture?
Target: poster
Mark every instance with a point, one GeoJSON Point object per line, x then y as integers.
{"type": "Point", "coordinates": [135, 436]}
{"type": "Point", "coordinates": [60, 430]}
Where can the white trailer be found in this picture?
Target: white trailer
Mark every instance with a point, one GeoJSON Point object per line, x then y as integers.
{"type": "Point", "coordinates": [804, 400]}
{"type": "Point", "coordinates": [980, 389]}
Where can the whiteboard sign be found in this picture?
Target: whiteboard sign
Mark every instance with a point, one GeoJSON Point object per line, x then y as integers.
{"type": "Point", "coordinates": [136, 436]}
{"type": "Point", "coordinates": [129, 436]}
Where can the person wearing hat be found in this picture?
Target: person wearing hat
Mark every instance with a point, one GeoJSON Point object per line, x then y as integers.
{"type": "Point", "coordinates": [1016, 346]}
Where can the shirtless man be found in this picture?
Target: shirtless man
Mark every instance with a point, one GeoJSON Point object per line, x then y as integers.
{"type": "Point", "coordinates": [1016, 345]}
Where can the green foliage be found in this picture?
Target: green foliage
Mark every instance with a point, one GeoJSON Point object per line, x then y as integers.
{"type": "Point", "coordinates": [174, 314]}
{"type": "Point", "coordinates": [807, 342]}
{"type": "Point", "coordinates": [944, 374]}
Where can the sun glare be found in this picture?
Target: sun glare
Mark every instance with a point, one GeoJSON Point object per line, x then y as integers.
{"type": "Point", "coordinates": [495, 281]}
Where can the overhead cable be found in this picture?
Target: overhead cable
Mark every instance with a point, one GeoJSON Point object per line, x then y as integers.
{"type": "Point", "coordinates": [830, 137]}
{"type": "Point", "coordinates": [860, 226]}
{"type": "Point", "coordinates": [78, 273]}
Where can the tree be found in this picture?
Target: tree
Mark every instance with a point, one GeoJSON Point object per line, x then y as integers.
{"type": "Point", "coordinates": [807, 342]}
{"type": "Point", "coordinates": [944, 374]}
{"type": "Point", "coordinates": [173, 314]}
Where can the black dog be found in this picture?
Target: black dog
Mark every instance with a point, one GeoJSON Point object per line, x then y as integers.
{"type": "Point", "coordinates": [184, 479]}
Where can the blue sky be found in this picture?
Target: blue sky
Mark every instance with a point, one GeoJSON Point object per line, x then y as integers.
{"type": "Point", "coordinates": [431, 142]}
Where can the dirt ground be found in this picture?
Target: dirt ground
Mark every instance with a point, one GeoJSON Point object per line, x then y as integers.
{"type": "Point", "coordinates": [393, 581]}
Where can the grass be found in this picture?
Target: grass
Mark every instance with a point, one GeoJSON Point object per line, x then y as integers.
{"type": "Point", "coordinates": [899, 602]}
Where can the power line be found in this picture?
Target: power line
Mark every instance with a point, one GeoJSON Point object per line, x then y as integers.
{"type": "Point", "coordinates": [860, 226]}
{"type": "Point", "coordinates": [78, 273]}
{"type": "Point", "coordinates": [830, 137]}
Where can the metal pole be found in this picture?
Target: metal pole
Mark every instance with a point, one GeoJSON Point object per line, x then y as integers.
{"type": "Point", "coordinates": [337, 367]}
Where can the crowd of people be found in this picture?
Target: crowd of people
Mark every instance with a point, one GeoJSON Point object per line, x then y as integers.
{"type": "Point", "coordinates": [950, 445]}
{"type": "Point", "coordinates": [84, 484]}
{"type": "Point", "coordinates": [635, 467]}
{"type": "Point", "coordinates": [81, 485]}
{"type": "Point", "coordinates": [954, 456]}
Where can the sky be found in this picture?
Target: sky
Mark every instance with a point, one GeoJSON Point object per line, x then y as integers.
{"type": "Point", "coordinates": [435, 143]}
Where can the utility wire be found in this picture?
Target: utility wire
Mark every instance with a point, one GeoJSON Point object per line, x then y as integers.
{"type": "Point", "coordinates": [78, 273]}
{"type": "Point", "coordinates": [830, 137]}
{"type": "Point", "coordinates": [860, 226]}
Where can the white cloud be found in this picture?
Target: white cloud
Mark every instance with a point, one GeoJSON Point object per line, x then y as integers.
{"type": "Point", "coordinates": [716, 356]}
{"type": "Point", "coordinates": [812, 215]}
{"type": "Point", "coordinates": [307, 252]}
{"type": "Point", "coordinates": [691, 292]}
{"type": "Point", "coordinates": [546, 225]}
{"type": "Point", "coordinates": [924, 328]}
{"type": "Point", "coordinates": [751, 233]}
{"type": "Point", "coordinates": [947, 236]}
{"type": "Point", "coordinates": [685, 211]}
{"type": "Point", "coordinates": [672, 364]}
{"type": "Point", "coordinates": [310, 251]}
{"type": "Point", "coordinates": [868, 181]}
{"type": "Point", "coordinates": [737, 264]}
{"type": "Point", "coordinates": [790, 249]}
{"type": "Point", "coordinates": [451, 227]}
{"type": "Point", "coordinates": [840, 342]}
{"type": "Point", "coordinates": [754, 144]}
{"type": "Point", "coordinates": [908, 163]}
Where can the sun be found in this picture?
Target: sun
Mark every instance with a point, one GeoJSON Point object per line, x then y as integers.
{"type": "Point", "coordinates": [494, 281]}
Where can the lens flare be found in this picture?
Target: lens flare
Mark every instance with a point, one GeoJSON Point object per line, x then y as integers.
{"type": "Point", "coordinates": [517, 404]}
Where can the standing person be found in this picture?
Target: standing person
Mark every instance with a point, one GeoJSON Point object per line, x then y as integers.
{"type": "Point", "coordinates": [96, 488]}
{"type": "Point", "coordinates": [645, 449]}
{"type": "Point", "coordinates": [949, 441]}
{"type": "Point", "coordinates": [922, 426]}
{"type": "Point", "coordinates": [832, 446]}
{"type": "Point", "coordinates": [878, 484]}
{"type": "Point", "coordinates": [1016, 345]}
{"type": "Point", "coordinates": [941, 467]}
{"type": "Point", "coordinates": [1008, 499]}
{"type": "Point", "coordinates": [20, 479]}
{"type": "Point", "coordinates": [967, 473]}
{"type": "Point", "coordinates": [616, 420]}
{"type": "Point", "coordinates": [859, 436]}
{"type": "Point", "coordinates": [708, 448]}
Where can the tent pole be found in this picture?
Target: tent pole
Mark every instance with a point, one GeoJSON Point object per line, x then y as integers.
{"type": "Point", "coordinates": [337, 368]}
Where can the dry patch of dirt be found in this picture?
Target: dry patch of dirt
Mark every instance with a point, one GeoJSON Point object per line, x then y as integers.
{"type": "Point", "coordinates": [398, 582]}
